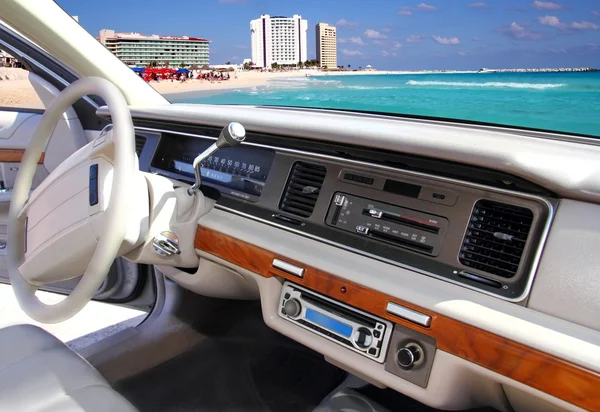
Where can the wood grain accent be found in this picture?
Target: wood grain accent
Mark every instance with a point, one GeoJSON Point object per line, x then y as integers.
{"type": "Point", "coordinates": [556, 377]}
{"type": "Point", "coordinates": [15, 156]}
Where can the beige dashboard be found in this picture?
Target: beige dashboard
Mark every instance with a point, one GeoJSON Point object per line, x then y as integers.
{"type": "Point", "coordinates": [524, 353]}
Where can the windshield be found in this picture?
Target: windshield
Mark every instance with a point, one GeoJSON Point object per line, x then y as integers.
{"type": "Point", "coordinates": [509, 62]}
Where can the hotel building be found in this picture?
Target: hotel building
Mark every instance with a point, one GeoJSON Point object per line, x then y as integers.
{"type": "Point", "coordinates": [140, 50]}
{"type": "Point", "coordinates": [326, 45]}
{"type": "Point", "coordinates": [278, 39]}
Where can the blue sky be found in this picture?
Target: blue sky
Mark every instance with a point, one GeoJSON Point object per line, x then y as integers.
{"type": "Point", "coordinates": [411, 35]}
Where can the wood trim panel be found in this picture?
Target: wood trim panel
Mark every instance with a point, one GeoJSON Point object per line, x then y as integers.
{"type": "Point", "coordinates": [15, 156]}
{"type": "Point", "coordinates": [556, 377]}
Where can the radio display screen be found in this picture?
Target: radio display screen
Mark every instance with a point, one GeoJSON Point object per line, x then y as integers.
{"type": "Point", "coordinates": [239, 171]}
{"type": "Point", "coordinates": [328, 323]}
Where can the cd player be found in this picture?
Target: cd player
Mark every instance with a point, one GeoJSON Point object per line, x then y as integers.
{"type": "Point", "coordinates": [359, 331]}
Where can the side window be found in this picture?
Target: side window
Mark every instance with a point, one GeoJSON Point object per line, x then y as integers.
{"type": "Point", "coordinates": [16, 91]}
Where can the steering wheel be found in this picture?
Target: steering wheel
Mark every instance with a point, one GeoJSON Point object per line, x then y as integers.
{"type": "Point", "coordinates": [76, 221]}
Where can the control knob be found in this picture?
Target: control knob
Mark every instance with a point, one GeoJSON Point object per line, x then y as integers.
{"type": "Point", "coordinates": [362, 337]}
{"type": "Point", "coordinates": [292, 308]}
{"type": "Point", "coordinates": [409, 356]}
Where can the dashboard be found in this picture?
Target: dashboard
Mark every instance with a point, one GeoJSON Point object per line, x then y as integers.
{"type": "Point", "coordinates": [484, 238]}
{"type": "Point", "coordinates": [459, 281]}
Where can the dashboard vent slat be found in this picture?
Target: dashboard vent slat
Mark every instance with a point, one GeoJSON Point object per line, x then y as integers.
{"type": "Point", "coordinates": [140, 142]}
{"type": "Point", "coordinates": [303, 188]}
{"type": "Point", "coordinates": [496, 238]}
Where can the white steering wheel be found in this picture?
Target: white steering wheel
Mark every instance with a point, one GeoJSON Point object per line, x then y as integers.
{"type": "Point", "coordinates": [76, 221]}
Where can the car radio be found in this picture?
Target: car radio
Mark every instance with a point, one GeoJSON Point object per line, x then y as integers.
{"type": "Point", "coordinates": [406, 228]}
{"type": "Point", "coordinates": [357, 330]}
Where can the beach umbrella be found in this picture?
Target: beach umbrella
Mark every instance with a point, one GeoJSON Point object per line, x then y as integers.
{"type": "Point", "coordinates": [183, 71]}
{"type": "Point", "coordinates": [138, 69]}
{"type": "Point", "coordinates": [205, 67]}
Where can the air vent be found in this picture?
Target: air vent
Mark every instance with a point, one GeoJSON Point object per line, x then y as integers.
{"type": "Point", "coordinates": [140, 141]}
{"type": "Point", "coordinates": [303, 188]}
{"type": "Point", "coordinates": [496, 238]}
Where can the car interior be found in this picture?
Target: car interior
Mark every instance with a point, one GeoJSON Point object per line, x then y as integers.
{"type": "Point", "coordinates": [291, 259]}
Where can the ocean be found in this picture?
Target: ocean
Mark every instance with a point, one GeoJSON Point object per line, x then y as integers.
{"type": "Point", "coordinates": [565, 102]}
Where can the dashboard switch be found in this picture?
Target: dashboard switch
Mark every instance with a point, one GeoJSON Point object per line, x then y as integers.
{"type": "Point", "coordinates": [363, 230]}
{"type": "Point", "coordinates": [339, 199]}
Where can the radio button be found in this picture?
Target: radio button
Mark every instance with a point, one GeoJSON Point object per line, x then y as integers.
{"type": "Point", "coordinates": [363, 337]}
{"type": "Point", "coordinates": [377, 334]}
{"type": "Point", "coordinates": [373, 351]}
{"type": "Point", "coordinates": [292, 308]}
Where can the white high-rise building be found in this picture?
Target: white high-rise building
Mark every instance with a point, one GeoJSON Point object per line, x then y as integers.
{"type": "Point", "coordinates": [278, 39]}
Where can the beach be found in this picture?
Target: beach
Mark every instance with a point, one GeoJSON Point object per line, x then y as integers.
{"type": "Point", "coordinates": [16, 90]}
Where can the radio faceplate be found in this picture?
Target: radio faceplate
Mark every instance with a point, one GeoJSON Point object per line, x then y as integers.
{"type": "Point", "coordinates": [356, 330]}
{"type": "Point", "coordinates": [405, 228]}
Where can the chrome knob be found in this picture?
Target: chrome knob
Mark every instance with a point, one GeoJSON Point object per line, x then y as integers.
{"type": "Point", "coordinates": [166, 244]}
{"type": "Point", "coordinates": [409, 356]}
{"type": "Point", "coordinates": [292, 308]}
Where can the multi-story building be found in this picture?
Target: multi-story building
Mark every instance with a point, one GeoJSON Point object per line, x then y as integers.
{"type": "Point", "coordinates": [326, 45]}
{"type": "Point", "coordinates": [278, 39]}
{"type": "Point", "coordinates": [140, 50]}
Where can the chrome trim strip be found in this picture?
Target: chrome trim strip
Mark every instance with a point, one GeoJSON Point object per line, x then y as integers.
{"type": "Point", "coordinates": [409, 314]}
{"type": "Point", "coordinates": [536, 257]}
{"type": "Point", "coordinates": [288, 268]}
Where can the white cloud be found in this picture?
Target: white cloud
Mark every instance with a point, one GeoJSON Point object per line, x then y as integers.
{"type": "Point", "coordinates": [346, 23]}
{"type": "Point", "coordinates": [351, 53]}
{"type": "Point", "coordinates": [396, 45]}
{"type": "Point", "coordinates": [476, 38]}
{"type": "Point", "coordinates": [560, 50]}
{"type": "Point", "coordinates": [352, 40]}
{"type": "Point", "coordinates": [373, 34]}
{"type": "Point", "coordinates": [427, 7]}
{"type": "Point", "coordinates": [519, 32]}
{"type": "Point", "coordinates": [404, 11]}
{"type": "Point", "coordinates": [413, 38]}
{"type": "Point", "coordinates": [546, 5]}
{"type": "Point", "coordinates": [478, 4]}
{"type": "Point", "coordinates": [584, 25]}
{"type": "Point", "coordinates": [377, 42]}
{"type": "Point", "coordinates": [554, 21]}
{"type": "Point", "coordinates": [446, 40]}
{"type": "Point", "coordinates": [386, 29]}
{"type": "Point", "coordinates": [462, 53]}
{"type": "Point", "coordinates": [596, 13]}
{"type": "Point", "coordinates": [385, 53]}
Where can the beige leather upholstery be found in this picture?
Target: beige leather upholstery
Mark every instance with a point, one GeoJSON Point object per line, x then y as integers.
{"type": "Point", "coordinates": [39, 373]}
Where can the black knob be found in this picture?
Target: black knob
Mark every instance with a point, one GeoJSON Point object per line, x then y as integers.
{"type": "Point", "coordinates": [292, 307]}
{"type": "Point", "coordinates": [409, 355]}
{"type": "Point", "coordinates": [363, 337]}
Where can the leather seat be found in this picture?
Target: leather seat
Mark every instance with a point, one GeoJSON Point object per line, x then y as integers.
{"type": "Point", "coordinates": [39, 373]}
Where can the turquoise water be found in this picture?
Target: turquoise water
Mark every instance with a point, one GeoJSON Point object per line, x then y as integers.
{"type": "Point", "coordinates": [568, 102]}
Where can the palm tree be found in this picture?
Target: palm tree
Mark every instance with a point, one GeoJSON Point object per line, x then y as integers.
{"type": "Point", "coordinates": [349, 65]}
{"type": "Point", "coordinates": [227, 62]}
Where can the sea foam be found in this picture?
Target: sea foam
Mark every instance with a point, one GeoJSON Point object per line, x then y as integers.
{"type": "Point", "coordinates": [510, 85]}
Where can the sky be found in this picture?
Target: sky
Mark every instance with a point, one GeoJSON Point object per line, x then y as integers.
{"type": "Point", "coordinates": [387, 34]}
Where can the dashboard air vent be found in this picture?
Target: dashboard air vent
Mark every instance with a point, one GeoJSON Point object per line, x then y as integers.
{"type": "Point", "coordinates": [303, 188]}
{"type": "Point", "coordinates": [140, 141]}
{"type": "Point", "coordinates": [496, 237]}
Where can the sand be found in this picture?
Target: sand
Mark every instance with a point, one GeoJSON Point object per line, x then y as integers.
{"type": "Point", "coordinates": [244, 80]}
{"type": "Point", "coordinates": [16, 90]}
